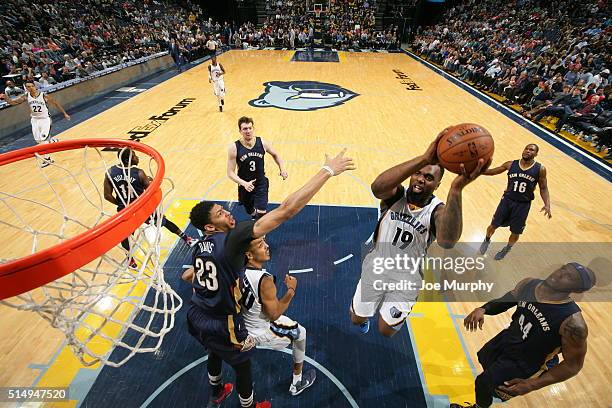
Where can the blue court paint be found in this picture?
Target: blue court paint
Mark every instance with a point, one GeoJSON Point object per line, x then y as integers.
{"type": "Point", "coordinates": [376, 372]}
{"type": "Point", "coordinates": [584, 157]}
{"type": "Point", "coordinates": [315, 56]}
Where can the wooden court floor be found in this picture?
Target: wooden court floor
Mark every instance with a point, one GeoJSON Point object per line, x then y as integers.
{"type": "Point", "coordinates": [386, 123]}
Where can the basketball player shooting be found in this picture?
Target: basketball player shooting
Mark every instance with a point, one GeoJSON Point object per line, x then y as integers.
{"type": "Point", "coordinates": [513, 209]}
{"type": "Point", "coordinates": [39, 112]}
{"type": "Point", "coordinates": [411, 219]}
{"type": "Point", "coordinates": [247, 153]}
{"type": "Point", "coordinates": [523, 357]}
{"type": "Point", "coordinates": [215, 75]}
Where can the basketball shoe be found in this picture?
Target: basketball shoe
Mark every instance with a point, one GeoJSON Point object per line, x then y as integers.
{"type": "Point", "coordinates": [215, 402]}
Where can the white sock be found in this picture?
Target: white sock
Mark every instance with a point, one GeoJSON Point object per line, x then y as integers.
{"type": "Point", "coordinates": [297, 378]}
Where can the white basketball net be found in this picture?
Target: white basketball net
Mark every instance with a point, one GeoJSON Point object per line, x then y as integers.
{"type": "Point", "coordinates": [108, 311]}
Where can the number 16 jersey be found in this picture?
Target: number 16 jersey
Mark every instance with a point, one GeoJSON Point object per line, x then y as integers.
{"type": "Point", "coordinates": [522, 183]}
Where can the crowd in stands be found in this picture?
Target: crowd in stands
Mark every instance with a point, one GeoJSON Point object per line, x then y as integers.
{"type": "Point", "coordinates": [552, 59]}
{"type": "Point", "coordinates": [51, 41]}
{"type": "Point", "coordinates": [345, 24]}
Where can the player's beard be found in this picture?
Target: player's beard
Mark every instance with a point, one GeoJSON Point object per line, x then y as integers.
{"type": "Point", "coordinates": [419, 199]}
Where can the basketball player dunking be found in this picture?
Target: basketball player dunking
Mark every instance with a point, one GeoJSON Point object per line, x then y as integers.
{"type": "Point", "coordinates": [127, 182]}
{"type": "Point", "coordinates": [513, 209]}
{"type": "Point", "coordinates": [546, 321]}
{"type": "Point", "coordinates": [411, 219]}
{"type": "Point", "coordinates": [215, 75]}
{"type": "Point", "coordinates": [248, 154]}
{"type": "Point", "coordinates": [41, 120]}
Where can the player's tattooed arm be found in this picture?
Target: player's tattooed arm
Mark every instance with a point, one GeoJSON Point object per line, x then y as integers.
{"type": "Point", "coordinates": [498, 170]}
{"type": "Point", "coordinates": [449, 218]}
{"type": "Point", "coordinates": [543, 183]}
{"type": "Point", "coordinates": [386, 184]}
{"type": "Point", "coordinates": [574, 334]}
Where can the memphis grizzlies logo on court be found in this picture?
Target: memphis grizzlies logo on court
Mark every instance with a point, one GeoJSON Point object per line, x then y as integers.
{"type": "Point", "coordinates": [302, 95]}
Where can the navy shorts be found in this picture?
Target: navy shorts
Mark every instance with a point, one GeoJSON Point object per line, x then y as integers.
{"type": "Point", "coordinates": [214, 334]}
{"type": "Point", "coordinates": [511, 214]}
{"type": "Point", "coordinates": [256, 199]}
{"type": "Point", "coordinates": [500, 364]}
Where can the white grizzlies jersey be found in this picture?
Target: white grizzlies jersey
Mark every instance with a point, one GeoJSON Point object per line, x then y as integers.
{"type": "Point", "coordinates": [38, 106]}
{"type": "Point", "coordinates": [255, 319]}
{"type": "Point", "coordinates": [215, 72]}
{"type": "Point", "coordinates": [402, 230]}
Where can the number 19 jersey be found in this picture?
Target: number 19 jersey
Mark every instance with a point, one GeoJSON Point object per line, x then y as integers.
{"type": "Point", "coordinates": [405, 230]}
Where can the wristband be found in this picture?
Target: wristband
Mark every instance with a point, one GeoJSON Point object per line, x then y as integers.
{"type": "Point", "coordinates": [329, 170]}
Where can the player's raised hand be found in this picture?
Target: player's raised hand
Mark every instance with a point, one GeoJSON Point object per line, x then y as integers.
{"type": "Point", "coordinates": [474, 320]}
{"type": "Point", "coordinates": [464, 178]}
{"type": "Point", "coordinates": [284, 174]}
{"type": "Point", "coordinates": [339, 164]}
{"type": "Point", "coordinates": [249, 185]}
{"type": "Point", "coordinates": [290, 282]}
{"type": "Point", "coordinates": [547, 212]}
{"type": "Point", "coordinates": [431, 154]}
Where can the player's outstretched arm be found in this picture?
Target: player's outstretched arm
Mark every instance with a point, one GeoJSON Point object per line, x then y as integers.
{"type": "Point", "coordinates": [57, 105]}
{"type": "Point", "coordinates": [297, 200]}
{"type": "Point", "coordinates": [498, 170]}
{"type": "Point", "coordinates": [15, 101]}
{"type": "Point", "coordinates": [574, 334]}
{"type": "Point", "coordinates": [448, 218]}
{"type": "Point", "coordinates": [386, 184]}
{"type": "Point", "coordinates": [272, 306]}
{"type": "Point", "coordinates": [277, 159]}
{"type": "Point", "coordinates": [543, 183]}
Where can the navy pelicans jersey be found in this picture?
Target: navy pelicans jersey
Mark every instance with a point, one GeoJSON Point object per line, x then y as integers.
{"type": "Point", "coordinates": [533, 335]}
{"type": "Point", "coordinates": [250, 161]}
{"type": "Point", "coordinates": [126, 184]}
{"type": "Point", "coordinates": [216, 289]}
{"type": "Point", "coordinates": [255, 319]}
{"type": "Point", "coordinates": [38, 106]}
{"type": "Point", "coordinates": [522, 183]}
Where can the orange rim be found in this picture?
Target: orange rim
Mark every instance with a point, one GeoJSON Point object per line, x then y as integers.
{"type": "Point", "coordinates": [32, 271]}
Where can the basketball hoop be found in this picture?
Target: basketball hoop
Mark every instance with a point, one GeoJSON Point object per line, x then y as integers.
{"type": "Point", "coordinates": [75, 275]}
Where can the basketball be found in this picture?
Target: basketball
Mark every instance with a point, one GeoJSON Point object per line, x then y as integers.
{"type": "Point", "coordinates": [465, 143]}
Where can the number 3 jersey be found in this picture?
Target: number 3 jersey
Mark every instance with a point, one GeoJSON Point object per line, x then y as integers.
{"type": "Point", "coordinates": [522, 183]}
{"type": "Point", "coordinates": [533, 335]}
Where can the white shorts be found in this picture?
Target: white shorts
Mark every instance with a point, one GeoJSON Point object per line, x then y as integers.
{"type": "Point", "coordinates": [40, 129]}
{"type": "Point", "coordinates": [219, 88]}
{"type": "Point", "coordinates": [280, 334]}
{"type": "Point", "coordinates": [391, 307]}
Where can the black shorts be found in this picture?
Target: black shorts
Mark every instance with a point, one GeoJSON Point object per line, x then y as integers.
{"type": "Point", "coordinates": [256, 199]}
{"type": "Point", "coordinates": [501, 364]}
{"type": "Point", "coordinates": [214, 334]}
{"type": "Point", "coordinates": [511, 214]}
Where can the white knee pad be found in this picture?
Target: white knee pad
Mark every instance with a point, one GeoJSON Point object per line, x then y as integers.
{"type": "Point", "coordinates": [299, 346]}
